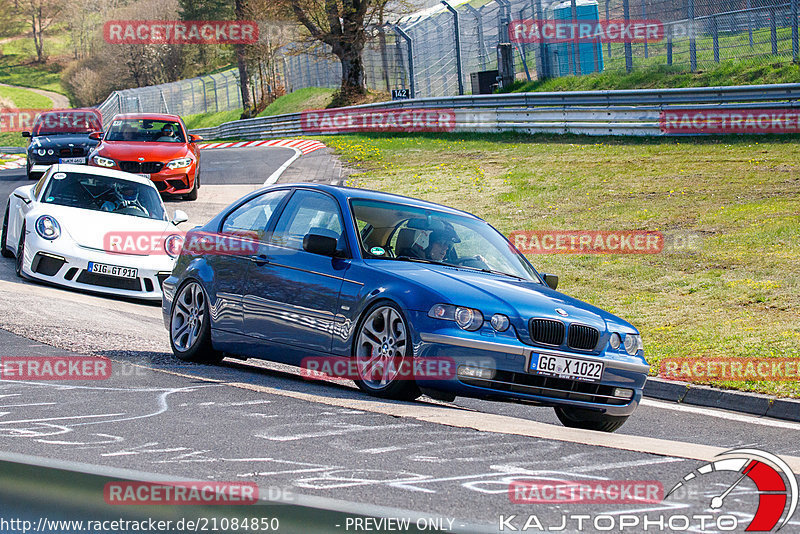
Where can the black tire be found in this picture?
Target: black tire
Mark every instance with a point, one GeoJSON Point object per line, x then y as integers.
{"type": "Point", "coordinates": [589, 419]}
{"type": "Point", "coordinates": [190, 302]}
{"type": "Point", "coordinates": [398, 348]}
{"type": "Point", "coordinates": [192, 195]}
{"type": "Point", "coordinates": [28, 170]}
{"type": "Point", "coordinates": [4, 250]}
{"type": "Point", "coordinates": [20, 255]}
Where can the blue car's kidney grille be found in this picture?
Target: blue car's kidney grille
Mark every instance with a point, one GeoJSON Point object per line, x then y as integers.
{"type": "Point", "coordinates": [547, 331]}
{"type": "Point", "coordinates": [547, 386]}
{"type": "Point", "coordinates": [582, 337]}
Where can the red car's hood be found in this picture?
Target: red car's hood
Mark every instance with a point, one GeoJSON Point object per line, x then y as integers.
{"type": "Point", "coordinates": [150, 151]}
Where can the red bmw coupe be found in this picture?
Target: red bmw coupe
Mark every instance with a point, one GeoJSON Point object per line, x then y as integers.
{"type": "Point", "coordinates": [154, 145]}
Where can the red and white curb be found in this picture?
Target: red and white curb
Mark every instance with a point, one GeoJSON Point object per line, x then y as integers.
{"type": "Point", "coordinates": [18, 161]}
{"type": "Point", "coordinates": [305, 146]}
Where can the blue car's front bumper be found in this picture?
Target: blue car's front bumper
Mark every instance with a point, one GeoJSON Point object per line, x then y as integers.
{"type": "Point", "coordinates": [509, 359]}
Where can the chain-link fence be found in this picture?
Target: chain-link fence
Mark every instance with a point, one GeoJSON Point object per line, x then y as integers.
{"type": "Point", "coordinates": [441, 51]}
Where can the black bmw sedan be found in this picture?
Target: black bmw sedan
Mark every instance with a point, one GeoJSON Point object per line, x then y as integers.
{"type": "Point", "coordinates": [61, 136]}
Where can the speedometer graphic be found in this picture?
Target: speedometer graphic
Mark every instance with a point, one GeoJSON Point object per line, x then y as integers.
{"type": "Point", "coordinates": [775, 482]}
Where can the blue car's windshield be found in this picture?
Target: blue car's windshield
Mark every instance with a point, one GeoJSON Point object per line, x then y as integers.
{"type": "Point", "coordinates": [395, 231]}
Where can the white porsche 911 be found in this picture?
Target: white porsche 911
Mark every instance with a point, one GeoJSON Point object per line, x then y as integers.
{"type": "Point", "coordinates": [93, 229]}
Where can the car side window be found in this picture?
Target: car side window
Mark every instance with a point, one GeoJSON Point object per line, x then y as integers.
{"type": "Point", "coordinates": [307, 212]}
{"type": "Point", "coordinates": [251, 218]}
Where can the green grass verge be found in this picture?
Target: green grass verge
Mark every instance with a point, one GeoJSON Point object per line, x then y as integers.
{"type": "Point", "coordinates": [300, 100]}
{"type": "Point", "coordinates": [17, 67]}
{"type": "Point", "coordinates": [12, 139]}
{"type": "Point", "coordinates": [734, 293]}
{"type": "Point", "coordinates": [749, 66]}
{"type": "Point", "coordinates": [24, 99]}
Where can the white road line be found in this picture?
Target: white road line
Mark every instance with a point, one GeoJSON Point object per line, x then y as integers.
{"type": "Point", "coordinates": [277, 174]}
{"type": "Point", "coordinates": [710, 412]}
{"type": "Point", "coordinates": [501, 424]}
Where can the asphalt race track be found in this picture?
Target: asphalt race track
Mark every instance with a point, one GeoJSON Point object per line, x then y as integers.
{"type": "Point", "coordinates": [261, 422]}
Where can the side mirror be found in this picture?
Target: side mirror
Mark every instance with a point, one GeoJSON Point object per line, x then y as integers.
{"type": "Point", "coordinates": [26, 134]}
{"type": "Point", "coordinates": [319, 244]}
{"type": "Point", "coordinates": [179, 217]}
{"type": "Point", "coordinates": [551, 280]}
{"type": "Point", "coordinates": [96, 136]}
{"type": "Point", "coordinates": [24, 195]}
{"type": "Point", "coordinates": [195, 138]}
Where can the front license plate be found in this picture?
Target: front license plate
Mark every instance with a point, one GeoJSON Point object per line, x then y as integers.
{"type": "Point", "coordinates": [73, 161]}
{"type": "Point", "coordinates": [112, 270]}
{"type": "Point", "coordinates": [143, 175]}
{"type": "Point", "coordinates": [549, 365]}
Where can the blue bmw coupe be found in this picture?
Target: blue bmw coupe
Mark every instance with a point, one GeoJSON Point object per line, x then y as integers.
{"type": "Point", "coordinates": [303, 272]}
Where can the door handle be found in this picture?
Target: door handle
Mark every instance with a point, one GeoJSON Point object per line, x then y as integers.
{"type": "Point", "coordinates": [260, 260]}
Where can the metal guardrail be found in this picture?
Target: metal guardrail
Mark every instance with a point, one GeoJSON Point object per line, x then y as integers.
{"type": "Point", "coordinates": [620, 112]}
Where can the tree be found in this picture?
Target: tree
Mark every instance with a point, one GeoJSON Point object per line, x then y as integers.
{"type": "Point", "coordinates": [41, 14]}
{"type": "Point", "coordinates": [244, 76]}
{"type": "Point", "coordinates": [341, 24]}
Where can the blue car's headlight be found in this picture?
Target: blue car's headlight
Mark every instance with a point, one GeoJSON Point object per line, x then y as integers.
{"type": "Point", "coordinates": [466, 318]}
{"type": "Point", "coordinates": [633, 342]}
{"type": "Point", "coordinates": [615, 341]}
{"type": "Point", "coordinates": [47, 227]}
{"type": "Point", "coordinates": [41, 152]}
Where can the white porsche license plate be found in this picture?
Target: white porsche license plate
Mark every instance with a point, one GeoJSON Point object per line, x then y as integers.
{"type": "Point", "coordinates": [550, 365]}
{"type": "Point", "coordinates": [73, 161]}
{"type": "Point", "coordinates": [112, 270]}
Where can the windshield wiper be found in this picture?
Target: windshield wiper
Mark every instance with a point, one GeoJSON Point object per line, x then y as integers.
{"type": "Point", "coordinates": [492, 271]}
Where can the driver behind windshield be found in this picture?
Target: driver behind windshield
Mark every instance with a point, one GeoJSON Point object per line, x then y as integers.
{"type": "Point", "coordinates": [125, 195]}
{"type": "Point", "coordinates": [167, 134]}
{"type": "Point", "coordinates": [439, 244]}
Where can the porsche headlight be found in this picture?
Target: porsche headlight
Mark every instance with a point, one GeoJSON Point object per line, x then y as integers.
{"type": "Point", "coordinates": [41, 152]}
{"type": "Point", "coordinates": [47, 227]}
{"type": "Point", "coordinates": [173, 245]}
{"type": "Point", "coordinates": [50, 152]}
{"type": "Point", "coordinates": [104, 162]}
{"type": "Point", "coordinates": [179, 163]}
{"type": "Point", "coordinates": [633, 342]}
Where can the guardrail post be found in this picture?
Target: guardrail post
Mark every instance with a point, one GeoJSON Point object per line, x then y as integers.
{"type": "Point", "coordinates": [773, 30]}
{"type": "Point", "coordinates": [410, 51]}
{"type": "Point", "coordinates": [794, 32]}
{"type": "Point", "coordinates": [715, 38]}
{"type": "Point", "coordinates": [692, 42]}
{"type": "Point", "coordinates": [626, 13]}
{"type": "Point", "coordinates": [458, 46]}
